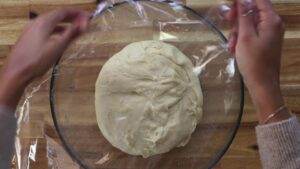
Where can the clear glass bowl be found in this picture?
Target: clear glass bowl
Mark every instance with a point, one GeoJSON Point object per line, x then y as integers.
{"type": "Point", "coordinates": [73, 85]}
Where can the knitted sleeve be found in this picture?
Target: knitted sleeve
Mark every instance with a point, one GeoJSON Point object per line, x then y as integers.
{"type": "Point", "coordinates": [8, 125]}
{"type": "Point", "coordinates": [279, 144]}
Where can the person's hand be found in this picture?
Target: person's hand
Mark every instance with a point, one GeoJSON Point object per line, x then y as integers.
{"type": "Point", "coordinates": [256, 41]}
{"type": "Point", "coordinates": [40, 46]}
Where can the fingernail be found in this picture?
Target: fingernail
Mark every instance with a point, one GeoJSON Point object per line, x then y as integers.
{"type": "Point", "coordinates": [224, 8]}
{"type": "Point", "coordinates": [232, 41]}
{"type": "Point", "coordinates": [247, 3]}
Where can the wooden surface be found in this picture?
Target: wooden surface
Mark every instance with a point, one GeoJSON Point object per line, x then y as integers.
{"type": "Point", "coordinates": [243, 153]}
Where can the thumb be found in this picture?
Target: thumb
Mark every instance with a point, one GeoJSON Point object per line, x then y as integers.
{"type": "Point", "coordinates": [70, 32]}
{"type": "Point", "coordinates": [57, 44]}
{"type": "Point", "coordinates": [246, 18]}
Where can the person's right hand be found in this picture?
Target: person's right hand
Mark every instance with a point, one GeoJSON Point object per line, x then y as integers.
{"type": "Point", "coordinates": [40, 46]}
{"type": "Point", "coordinates": [256, 41]}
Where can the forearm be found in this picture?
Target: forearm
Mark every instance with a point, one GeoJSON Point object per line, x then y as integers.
{"type": "Point", "coordinates": [279, 144]}
{"type": "Point", "coordinates": [12, 85]}
{"type": "Point", "coordinates": [279, 139]}
{"type": "Point", "coordinates": [8, 125]}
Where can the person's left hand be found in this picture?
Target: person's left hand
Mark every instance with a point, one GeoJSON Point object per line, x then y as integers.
{"type": "Point", "coordinates": [40, 46]}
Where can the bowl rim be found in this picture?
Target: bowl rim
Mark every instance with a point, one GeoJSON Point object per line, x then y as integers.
{"type": "Point", "coordinates": [213, 27]}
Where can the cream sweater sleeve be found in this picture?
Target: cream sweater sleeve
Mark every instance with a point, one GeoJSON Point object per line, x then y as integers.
{"type": "Point", "coordinates": [279, 144]}
{"type": "Point", "coordinates": [8, 125]}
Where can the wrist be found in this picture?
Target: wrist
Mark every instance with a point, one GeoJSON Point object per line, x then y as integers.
{"type": "Point", "coordinates": [280, 114]}
{"type": "Point", "coordinates": [267, 98]}
{"type": "Point", "coordinates": [17, 75]}
{"type": "Point", "coordinates": [13, 79]}
{"type": "Point", "coordinates": [11, 88]}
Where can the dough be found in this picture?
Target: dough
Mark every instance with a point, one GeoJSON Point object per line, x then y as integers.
{"type": "Point", "coordinates": [148, 100]}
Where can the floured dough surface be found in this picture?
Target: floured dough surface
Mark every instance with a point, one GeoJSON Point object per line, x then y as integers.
{"type": "Point", "coordinates": [148, 100]}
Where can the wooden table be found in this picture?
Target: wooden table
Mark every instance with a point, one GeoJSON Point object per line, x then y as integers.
{"type": "Point", "coordinates": [243, 153]}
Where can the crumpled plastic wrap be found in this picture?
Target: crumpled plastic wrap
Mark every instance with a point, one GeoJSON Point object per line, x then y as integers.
{"type": "Point", "coordinates": [65, 95]}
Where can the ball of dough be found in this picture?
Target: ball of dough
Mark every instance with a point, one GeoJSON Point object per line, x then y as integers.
{"type": "Point", "coordinates": [148, 100]}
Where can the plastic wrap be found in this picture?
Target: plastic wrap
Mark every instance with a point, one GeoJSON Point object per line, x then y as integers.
{"type": "Point", "coordinates": [58, 129]}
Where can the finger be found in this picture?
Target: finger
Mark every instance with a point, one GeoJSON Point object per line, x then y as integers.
{"type": "Point", "coordinates": [264, 5]}
{"type": "Point", "coordinates": [232, 40]}
{"type": "Point", "coordinates": [271, 26]}
{"type": "Point", "coordinates": [82, 21]}
{"type": "Point", "coordinates": [269, 22]}
{"type": "Point", "coordinates": [64, 38]}
{"type": "Point", "coordinates": [228, 13]}
{"type": "Point", "coordinates": [59, 29]}
{"type": "Point", "coordinates": [57, 44]}
{"type": "Point", "coordinates": [48, 22]}
{"type": "Point", "coordinates": [246, 19]}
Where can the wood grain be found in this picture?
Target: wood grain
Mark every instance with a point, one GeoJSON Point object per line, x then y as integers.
{"type": "Point", "coordinates": [14, 9]}
{"type": "Point", "coordinates": [243, 154]}
{"type": "Point", "coordinates": [10, 30]}
{"type": "Point", "coordinates": [42, 6]}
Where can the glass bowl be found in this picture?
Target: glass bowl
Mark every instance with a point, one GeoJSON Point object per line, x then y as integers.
{"type": "Point", "coordinates": [72, 90]}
